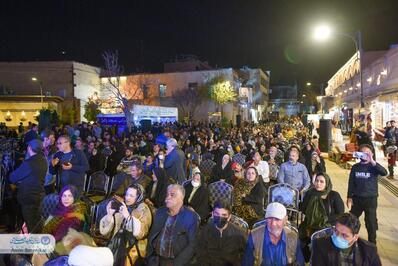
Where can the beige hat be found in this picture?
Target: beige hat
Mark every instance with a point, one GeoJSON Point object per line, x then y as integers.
{"type": "Point", "coordinates": [275, 210]}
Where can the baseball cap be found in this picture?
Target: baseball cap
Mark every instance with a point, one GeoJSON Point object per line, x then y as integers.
{"type": "Point", "coordinates": [275, 210]}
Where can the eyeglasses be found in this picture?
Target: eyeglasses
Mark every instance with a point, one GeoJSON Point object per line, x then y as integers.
{"type": "Point", "coordinates": [60, 143]}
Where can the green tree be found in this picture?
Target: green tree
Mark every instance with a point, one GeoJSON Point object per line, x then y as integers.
{"type": "Point", "coordinates": [91, 110]}
{"type": "Point", "coordinates": [47, 118]}
{"type": "Point", "coordinates": [221, 91]}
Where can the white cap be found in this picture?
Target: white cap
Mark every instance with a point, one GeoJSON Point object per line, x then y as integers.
{"type": "Point", "coordinates": [275, 210]}
{"type": "Point", "coordinates": [90, 256]}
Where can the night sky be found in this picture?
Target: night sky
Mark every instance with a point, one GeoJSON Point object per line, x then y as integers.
{"type": "Point", "coordinates": [273, 35]}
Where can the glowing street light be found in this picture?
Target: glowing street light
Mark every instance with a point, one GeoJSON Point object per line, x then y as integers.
{"type": "Point", "coordinates": [34, 79]}
{"type": "Point", "coordinates": [309, 84]}
{"type": "Point", "coordinates": [322, 32]}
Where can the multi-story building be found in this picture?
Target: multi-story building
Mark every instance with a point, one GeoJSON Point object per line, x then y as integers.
{"type": "Point", "coordinates": [380, 86]}
{"type": "Point", "coordinates": [159, 89]}
{"type": "Point", "coordinates": [283, 100]}
{"type": "Point", "coordinates": [64, 85]}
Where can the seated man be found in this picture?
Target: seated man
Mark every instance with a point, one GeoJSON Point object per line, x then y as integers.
{"type": "Point", "coordinates": [273, 243]}
{"type": "Point", "coordinates": [173, 234]}
{"type": "Point", "coordinates": [221, 242]}
{"type": "Point", "coordinates": [344, 247]}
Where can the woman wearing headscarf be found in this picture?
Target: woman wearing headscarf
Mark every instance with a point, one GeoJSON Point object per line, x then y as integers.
{"type": "Point", "coordinates": [69, 213]}
{"type": "Point", "coordinates": [223, 170]}
{"type": "Point", "coordinates": [315, 165]}
{"type": "Point", "coordinates": [197, 196]}
{"type": "Point", "coordinates": [321, 205]}
{"type": "Point", "coordinates": [128, 222]}
{"type": "Point", "coordinates": [157, 188]}
{"type": "Point", "coordinates": [248, 196]}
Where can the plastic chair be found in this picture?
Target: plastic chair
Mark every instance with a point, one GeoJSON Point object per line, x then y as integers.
{"type": "Point", "coordinates": [119, 184]}
{"type": "Point", "coordinates": [48, 204]}
{"type": "Point", "coordinates": [97, 189]}
{"type": "Point", "coordinates": [220, 190]}
{"type": "Point", "coordinates": [284, 194]}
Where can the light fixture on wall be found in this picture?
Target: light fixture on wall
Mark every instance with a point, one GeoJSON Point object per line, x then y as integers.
{"type": "Point", "coordinates": [8, 116]}
{"type": "Point", "coordinates": [23, 116]}
{"type": "Point", "coordinates": [37, 113]}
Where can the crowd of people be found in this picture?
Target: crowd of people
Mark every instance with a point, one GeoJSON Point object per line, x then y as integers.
{"type": "Point", "coordinates": [164, 214]}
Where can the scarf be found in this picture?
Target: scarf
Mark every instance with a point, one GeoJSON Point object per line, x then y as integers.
{"type": "Point", "coordinates": [315, 213]}
{"type": "Point", "coordinates": [65, 218]}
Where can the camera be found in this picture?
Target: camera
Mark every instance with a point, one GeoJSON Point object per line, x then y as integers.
{"type": "Point", "coordinates": [115, 204]}
{"type": "Point", "coordinates": [360, 155]}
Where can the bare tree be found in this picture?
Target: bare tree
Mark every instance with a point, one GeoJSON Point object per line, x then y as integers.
{"type": "Point", "coordinates": [127, 92]}
{"type": "Point", "coordinates": [188, 99]}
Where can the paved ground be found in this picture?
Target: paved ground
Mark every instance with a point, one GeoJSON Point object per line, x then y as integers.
{"type": "Point", "coordinates": [387, 213]}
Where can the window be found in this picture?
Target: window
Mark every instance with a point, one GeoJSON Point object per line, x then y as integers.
{"type": "Point", "coordinates": [145, 90]}
{"type": "Point", "coordinates": [162, 90]}
{"type": "Point", "coordinates": [192, 85]}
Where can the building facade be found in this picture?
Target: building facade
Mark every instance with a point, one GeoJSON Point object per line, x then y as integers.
{"type": "Point", "coordinates": [159, 89]}
{"type": "Point", "coordinates": [380, 86]}
{"type": "Point", "coordinates": [71, 82]}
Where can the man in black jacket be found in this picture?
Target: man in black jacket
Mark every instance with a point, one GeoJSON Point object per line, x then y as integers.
{"type": "Point", "coordinates": [29, 178]}
{"type": "Point", "coordinates": [221, 242]}
{"type": "Point", "coordinates": [344, 247]}
{"type": "Point", "coordinates": [69, 164]}
{"type": "Point", "coordinates": [363, 189]}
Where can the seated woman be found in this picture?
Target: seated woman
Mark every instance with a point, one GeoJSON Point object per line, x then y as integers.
{"type": "Point", "coordinates": [129, 224]}
{"type": "Point", "coordinates": [197, 196]}
{"type": "Point", "coordinates": [248, 197]}
{"type": "Point", "coordinates": [222, 171]}
{"type": "Point", "coordinates": [321, 205]}
{"type": "Point", "coordinates": [69, 213]}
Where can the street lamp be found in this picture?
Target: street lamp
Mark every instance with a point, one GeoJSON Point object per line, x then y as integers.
{"type": "Point", "coordinates": [308, 84]}
{"type": "Point", "coordinates": [323, 32]}
{"type": "Point", "coordinates": [34, 79]}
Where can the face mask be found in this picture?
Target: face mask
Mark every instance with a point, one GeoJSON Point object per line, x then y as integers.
{"type": "Point", "coordinates": [340, 242]}
{"type": "Point", "coordinates": [219, 221]}
{"type": "Point", "coordinates": [161, 157]}
{"type": "Point", "coordinates": [195, 184]}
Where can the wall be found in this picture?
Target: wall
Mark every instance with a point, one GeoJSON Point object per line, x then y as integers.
{"type": "Point", "coordinates": [87, 82]}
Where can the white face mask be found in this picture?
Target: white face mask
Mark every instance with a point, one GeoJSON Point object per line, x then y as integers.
{"type": "Point", "coordinates": [161, 156]}
{"type": "Point", "coordinates": [195, 184]}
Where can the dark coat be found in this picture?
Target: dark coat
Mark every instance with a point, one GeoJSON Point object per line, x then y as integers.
{"type": "Point", "coordinates": [325, 253]}
{"type": "Point", "coordinates": [256, 198]}
{"type": "Point", "coordinates": [200, 200]}
{"type": "Point", "coordinates": [185, 232]}
{"type": "Point", "coordinates": [333, 204]}
{"type": "Point", "coordinates": [29, 177]}
{"type": "Point", "coordinates": [76, 175]}
{"type": "Point", "coordinates": [216, 249]}
{"type": "Point", "coordinates": [174, 164]}
{"type": "Point", "coordinates": [319, 168]}
{"type": "Point", "coordinates": [161, 188]}
{"type": "Point", "coordinates": [219, 173]}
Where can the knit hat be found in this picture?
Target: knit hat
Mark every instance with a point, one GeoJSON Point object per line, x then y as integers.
{"type": "Point", "coordinates": [275, 210]}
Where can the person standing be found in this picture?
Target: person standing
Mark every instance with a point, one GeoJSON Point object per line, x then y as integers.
{"type": "Point", "coordinates": [363, 190]}
{"type": "Point", "coordinates": [391, 140]}
{"type": "Point", "coordinates": [294, 173]}
{"type": "Point", "coordinates": [69, 164]}
{"type": "Point", "coordinates": [29, 178]}
{"type": "Point", "coordinates": [175, 161]}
